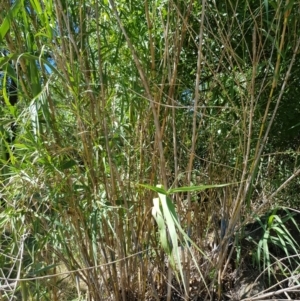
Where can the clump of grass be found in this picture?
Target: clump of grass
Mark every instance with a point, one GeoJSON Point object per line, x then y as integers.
{"type": "Point", "coordinates": [102, 108]}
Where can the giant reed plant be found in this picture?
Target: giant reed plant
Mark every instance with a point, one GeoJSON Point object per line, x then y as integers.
{"type": "Point", "coordinates": [113, 95]}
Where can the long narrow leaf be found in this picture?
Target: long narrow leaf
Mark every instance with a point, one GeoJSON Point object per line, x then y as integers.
{"type": "Point", "coordinates": [4, 28]}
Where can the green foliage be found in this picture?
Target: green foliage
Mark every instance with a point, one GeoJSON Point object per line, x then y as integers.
{"type": "Point", "coordinates": [275, 234]}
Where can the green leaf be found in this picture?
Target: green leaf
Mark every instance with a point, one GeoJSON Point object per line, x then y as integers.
{"type": "Point", "coordinates": [170, 218]}
{"type": "Point", "coordinates": [195, 188]}
{"type": "Point", "coordinates": [158, 188]}
{"type": "Point", "coordinates": [266, 2]}
{"type": "Point", "coordinates": [283, 244]}
{"type": "Point", "coordinates": [5, 26]}
{"type": "Point", "coordinates": [287, 233]}
{"type": "Point", "coordinates": [67, 164]}
{"type": "Point", "coordinates": [267, 258]}
{"type": "Point", "coordinates": [20, 146]}
{"type": "Point", "coordinates": [259, 249]}
{"type": "Point", "coordinates": [270, 220]}
{"type": "Point", "coordinates": [44, 269]}
{"type": "Point", "coordinates": [294, 126]}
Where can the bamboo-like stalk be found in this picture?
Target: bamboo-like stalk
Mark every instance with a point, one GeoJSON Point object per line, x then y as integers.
{"type": "Point", "coordinates": [194, 134]}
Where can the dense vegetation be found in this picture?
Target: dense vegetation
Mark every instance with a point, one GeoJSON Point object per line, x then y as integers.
{"type": "Point", "coordinates": [139, 142]}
